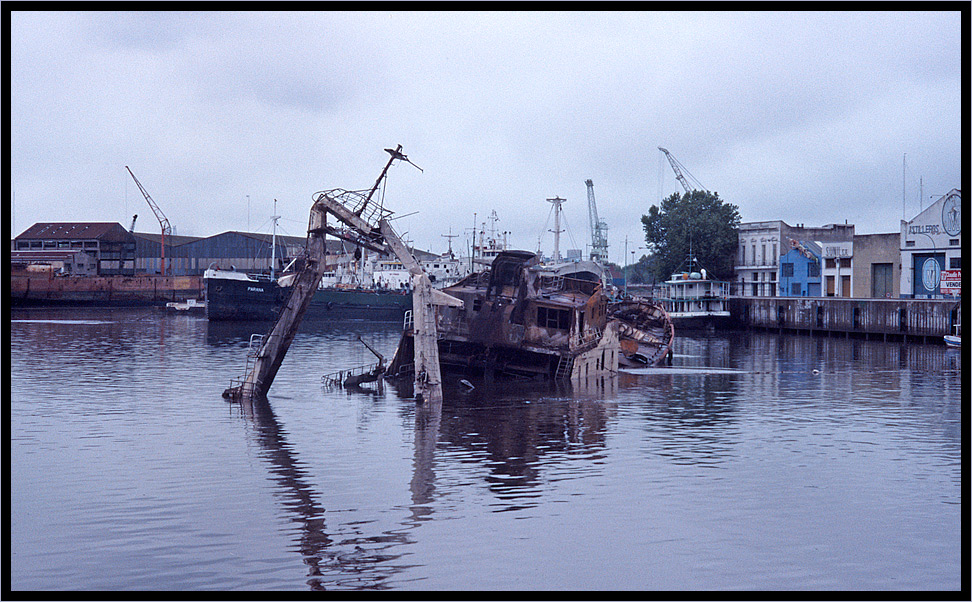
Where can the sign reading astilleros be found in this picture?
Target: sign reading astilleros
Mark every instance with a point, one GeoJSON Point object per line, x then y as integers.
{"type": "Point", "coordinates": [924, 229]}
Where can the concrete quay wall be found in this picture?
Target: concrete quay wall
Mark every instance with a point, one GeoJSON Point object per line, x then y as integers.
{"type": "Point", "coordinates": [886, 318]}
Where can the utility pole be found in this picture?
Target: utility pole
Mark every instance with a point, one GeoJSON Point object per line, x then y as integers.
{"type": "Point", "coordinates": [624, 268]}
{"type": "Point", "coordinates": [273, 247]}
{"type": "Point", "coordinates": [904, 167]}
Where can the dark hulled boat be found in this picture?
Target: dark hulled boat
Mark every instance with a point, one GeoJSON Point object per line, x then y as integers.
{"type": "Point", "coordinates": [239, 296]}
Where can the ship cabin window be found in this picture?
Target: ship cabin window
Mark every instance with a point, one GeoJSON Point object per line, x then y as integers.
{"type": "Point", "coordinates": [550, 317]}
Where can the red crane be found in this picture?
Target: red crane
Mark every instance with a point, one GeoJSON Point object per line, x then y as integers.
{"type": "Point", "coordinates": [163, 221]}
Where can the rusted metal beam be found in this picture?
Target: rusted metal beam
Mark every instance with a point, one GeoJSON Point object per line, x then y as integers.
{"type": "Point", "coordinates": [275, 345]}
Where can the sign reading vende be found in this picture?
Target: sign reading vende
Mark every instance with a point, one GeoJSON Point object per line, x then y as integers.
{"type": "Point", "coordinates": [951, 282]}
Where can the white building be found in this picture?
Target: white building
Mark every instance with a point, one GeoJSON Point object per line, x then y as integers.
{"type": "Point", "coordinates": [761, 244]}
{"type": "Point", "coordinates": [931, 249]}
{"type": "Point", "coordinates": [838, 267]}
{"type": "Point", "coordinates": [758, 260]}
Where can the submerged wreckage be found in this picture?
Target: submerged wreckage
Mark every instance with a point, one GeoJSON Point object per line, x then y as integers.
{"type": "Point", "coordinates": [517, 319]}
{"type": "Point", "coordinates": [521, 319]}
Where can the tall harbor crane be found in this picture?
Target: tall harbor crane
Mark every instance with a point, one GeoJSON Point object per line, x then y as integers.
{"type": "Point", "coordinates": [599, 244]}
{"type": "Point", "coordinates": [679, 168]}
{"type": "Point", "coordinates": [163, 221]}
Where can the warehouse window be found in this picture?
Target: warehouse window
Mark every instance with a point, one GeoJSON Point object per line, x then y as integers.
{"type": "Point", "coordinates": [787, 270]}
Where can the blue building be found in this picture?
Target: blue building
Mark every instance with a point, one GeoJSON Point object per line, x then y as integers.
{"type": "Point", "coordinates": [800, 270]}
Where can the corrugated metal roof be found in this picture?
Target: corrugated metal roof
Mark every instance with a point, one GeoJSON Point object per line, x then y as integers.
{"type": "Point", "coordinates": [75, 231]}
{"type": "Point", "coordinates": [171, 240]}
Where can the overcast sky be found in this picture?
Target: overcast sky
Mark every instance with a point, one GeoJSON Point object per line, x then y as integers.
{"type": "Point", "coordinates": [811, 118]}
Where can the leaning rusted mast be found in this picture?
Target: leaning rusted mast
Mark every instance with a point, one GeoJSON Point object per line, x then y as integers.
{"type": "Point", "coordinates": [274, 345]}
{"type": "Point", "coordinates": [395, 154]}
{"type": "Point", "coordinates": [428, 383]}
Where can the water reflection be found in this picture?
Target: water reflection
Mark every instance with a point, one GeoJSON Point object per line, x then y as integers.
{"type": "Point", "coordinates": [291, 479]}
{"type": "Point", "coordinates": [516, 431]}
{"type": "Point", "coordinates": [519, 438]}
{"type": "Point", "coordinates": [346, 562]}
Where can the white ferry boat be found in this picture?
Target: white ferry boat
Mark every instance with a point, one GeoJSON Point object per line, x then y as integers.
{"type": "Point", "coordinates": [694, 301]}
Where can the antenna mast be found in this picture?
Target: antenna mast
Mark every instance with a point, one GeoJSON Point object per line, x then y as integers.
{"type": "Point", "coordinates": [557, 202]}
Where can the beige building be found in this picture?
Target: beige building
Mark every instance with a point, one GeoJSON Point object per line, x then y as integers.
{"type": "Point", "coordinates": [877, 266]}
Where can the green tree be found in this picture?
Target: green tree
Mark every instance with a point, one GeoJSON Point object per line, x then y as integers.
{"type": "Point", "coordinates": [699, 220]}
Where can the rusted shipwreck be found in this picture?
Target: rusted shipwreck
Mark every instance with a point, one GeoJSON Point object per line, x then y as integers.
{"type": "Point", "coordinates": [645, 329]}
{"type": "Point", "coordinates": [520, 319]}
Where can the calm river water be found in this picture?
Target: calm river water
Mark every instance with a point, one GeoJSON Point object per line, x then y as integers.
{"type": "Point", "coordinates": [756, 462]}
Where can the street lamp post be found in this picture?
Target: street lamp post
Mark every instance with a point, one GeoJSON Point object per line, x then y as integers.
{"type": "Point", "coordinates": [624, 269]}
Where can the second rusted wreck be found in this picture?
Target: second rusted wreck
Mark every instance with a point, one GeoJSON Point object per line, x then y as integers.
{"type": "Point", "coordinates": [520, 319]}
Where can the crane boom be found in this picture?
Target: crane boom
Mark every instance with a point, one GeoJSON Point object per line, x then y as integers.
{"type": "Point", "coordinates": [599, 243]}
{"type": "Point", "coordinates": [163, 221]}
{"type": "Point", "coordinates": [678, 168]}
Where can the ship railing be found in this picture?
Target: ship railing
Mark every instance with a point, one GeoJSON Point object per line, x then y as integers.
{"type": "Point", "coordinates": [555, 282]}
{"type": "Point", "coordinates": [409, 321]}
{"type": "Point", "coordinates": [240, 385]}
{"type": "Point", "coordinates": [241, 388]}
{"type": "Point", "coordinates": [355, 201]}
{"type": "Point", "coordinates": [588, 339]}
{"type": "Point", "coordinates": [336, 379]}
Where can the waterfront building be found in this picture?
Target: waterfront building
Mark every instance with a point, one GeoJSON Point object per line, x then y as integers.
{"type": "Point", "coordinates": [761, 245]}
{"type": "Point", "coordinates": [800, 269]}
{"type": "Point", "coordinates": [838, 268]}
{"type": "Point", "coordinates": [67, 262]}
{"type": "Point", "coordinates": [931, 250]}
{"type": "Point", "coordinates": [244, 251]}
{"type": "Point", "coordinates": [877, 266]}
{"type": "Point", "coordinates": [110, 244]}
{"type": "Point", "coordinates": [758, 261]}
{"type": "Point", "coordinates": [148, 253]}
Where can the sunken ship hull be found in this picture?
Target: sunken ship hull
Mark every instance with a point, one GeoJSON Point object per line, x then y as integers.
{"type": "Point", "coordinates": [518, 321]}
{"type": "Point", "coordinates": [646, 331]}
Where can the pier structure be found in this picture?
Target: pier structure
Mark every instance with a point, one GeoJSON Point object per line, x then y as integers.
{"type": "Point", "coordinates": [901, 319]}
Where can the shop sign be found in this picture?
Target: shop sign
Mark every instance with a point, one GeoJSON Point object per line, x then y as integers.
{"type": "Point", "coordinates": [951, 282]}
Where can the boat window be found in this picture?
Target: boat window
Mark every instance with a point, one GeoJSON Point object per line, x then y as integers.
{"type": "Point", "coordinates": [550, 317]}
